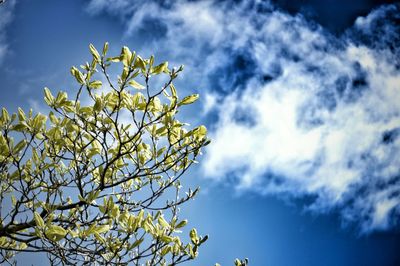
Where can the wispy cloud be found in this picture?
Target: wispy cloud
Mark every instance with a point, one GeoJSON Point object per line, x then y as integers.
{"type": "Point", "coordinates": [298, 111]}
{"type": "Point", "coordinates": [6, 15]}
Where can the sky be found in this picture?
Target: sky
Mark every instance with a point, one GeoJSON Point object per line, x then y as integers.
{"type": "Point", "coordinates": [301, 99]}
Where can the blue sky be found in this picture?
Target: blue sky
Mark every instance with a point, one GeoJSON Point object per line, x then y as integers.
{"type": "Point", "coordinates": [301, 99]}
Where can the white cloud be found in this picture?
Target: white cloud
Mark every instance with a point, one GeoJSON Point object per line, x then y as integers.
{"type": "Point", "coordinates": [6, 15]}
{"type": "Point", "coordinates": [300, 112]}
{"type": "Point", "coordinates": [115, 7]}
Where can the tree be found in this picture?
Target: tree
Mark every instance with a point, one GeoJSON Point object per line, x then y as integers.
{"type": "Point", "coordinates": [97, 180]}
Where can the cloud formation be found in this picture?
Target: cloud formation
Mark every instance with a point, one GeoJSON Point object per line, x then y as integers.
{"type": "Point", "coordinates": [6, 15]}
{"type": "Point", "coordinates": [294, 110]}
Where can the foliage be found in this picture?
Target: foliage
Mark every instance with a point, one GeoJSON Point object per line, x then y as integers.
{"type": "Point", "coordinates": [97, 180]}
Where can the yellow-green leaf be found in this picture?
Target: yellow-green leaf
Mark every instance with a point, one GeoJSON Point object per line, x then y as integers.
{"type": "Point", "coordinates": [182, 224]}
{"type": "Point", "coordinates": [55, 232]}
{"type": "Point", "coordinates": [38, 219]}
{"type": "Point", "coordinates": [48, 97]}
{"type": "Point", "coordinates": [78, 75]}
{"type": "Point", "coordinates": [102, 229]}
{"type": "Point", "coordinates": [94, 52]}
{"type": "Point", "coordinates": [105, 48]}
{"type": "Point", "coordinates": [189, 99]}
{"type": "Point", "coordinates": [136, 85]}
{"type": "Point", "coordinates": [163, 67]}
{"type": "Point", "coordinates": [20, 146]}
{"type": "Point", "coordinates": [21, 114]}
{"type": "Point", "coordinates": [193, 236]}
{"type": "Point", "coordinates": [96, 84]}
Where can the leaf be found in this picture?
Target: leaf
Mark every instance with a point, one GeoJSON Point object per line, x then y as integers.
{"type": "Point", "coordinates": [173, 90]}
{"type": "Point", "coordinates": [100, 238]}
{"type": "Point", "coordinates": [20, 127]}
{"type": "Point", "coordinates": [182, 224]}
{"type": "Point", "coordinates": [136, 243]}
{"type": "Point", "coordinates": [5, 116]}
{"type": "Point", "coordinates": [139, 62]}
{"type": "Point", "coordinates": [189, 99]}
{"type": "Point", "coordinates": [125, 73]}
{"type": "Point", "coordinates": [136, 85]}
{"type": "Point", "coordinates": [53, 118]}
{"type": "Point", "coordinates": [126, 55]}
{"type": "Point", "coordinates": [161, 151]}
{"type": "Point", "coordinates": [193, 236]}
{"type": "Point", "coordinates": [78, 75]}
{"type": "Point", "coordinates": [94, 52]}
{"type": "Point", "coordinates": [96, 84]}
{"type": "Point", "coordinates": [102, 228]}
{"type": "Point", "coordinates": [38, 219]}
{"type": "Point", "coordinates": [48, 97]}
{"type": "Point", "coordinates": [23, 246]}
{"type": "Point", "coordinates": [166, 239]}
{"type": "Point", "coordinates": [204, 239]}
{"type": "Point", "coordinates": [162, 131]}
{"type": "Point", "coordinates": [55, 232]}
{"type": "Point", "coordinates": [82, 199]}
{"type": "Point", "coordinates": [21, 114]}
{"type": "Point", "coordinates": [105, 48]}
{"type": "Point", "coordinates": [114, 59]}
{"type": "Point", "coordinates": [163, 222]}
{"type": "Point", "coordinates": [166, 250]}
{"type": "Point", "coordinates": [98, 104]}
{"type": "Point", "coordinates": [163, 67]}
{"type": "Point", "coordinates": [20, 146]}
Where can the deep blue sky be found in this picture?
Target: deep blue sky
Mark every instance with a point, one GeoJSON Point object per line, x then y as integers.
{"type": "Point", "coordinates": [268, 219]}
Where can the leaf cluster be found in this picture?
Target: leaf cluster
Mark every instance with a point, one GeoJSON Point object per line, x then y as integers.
{"type": "Point", "coordinates": [97, 179]}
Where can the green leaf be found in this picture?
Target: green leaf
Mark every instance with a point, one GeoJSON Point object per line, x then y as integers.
{"type": "Point", "coordinates": [20, 127]}
{"type": "Point", "coordinates": [136, 85]}
{"type": "Point", "coordinates": [163, 222]}
{"type": "Point", "coordinates": [23, 246]}
{"type": "Point", "coordinates": [55, 232]}
{"type": "Point", "coordinates": [189, 99]}
{"type": "Point", "coordinates": [182, 224]}
{"type": "Point", "coordinates": [5, 116]}
{"type": "Point", "coordinates": [204, 239]}
{"type": "Point", "coordinates": [94, 52]}
{"type": "Point", "coordinates": [48, 97]}
{"type": "Point", "coordinates": [126, 55]}
{"type": "Point", "coordinates": [237, 262]}
{"type": "Point", "coordinates": [162, 131]}
{"type": "Point", "coordinates": [98, 104]}
{"type": "Point", "coordinates": [96, 84]}
{"type": "Point", "coordinates": [105, 48]}
{"type": "Point", "coordinates": [166, 250]}
{"type": "Point", "coordinates": [151, 60]}
{"type": "Point", "coordinates": [173, 90]}
{"type": "Point", "coordinates": [136, 243]}
{"type": "Point", "coordinates": [139, 62]}
{"type": "Point", "coordinates": [100, 238]}
{"type": "Point", "coordinates": [38, 219]}
{"type": "Point", "coordinates": [102, 228]}
{"type": "Point", "coordinates": [194, 237]}
{"type": "Point", "coordinates": [114, 59]}
{"type": "Point", "coordinates": [53, 118]}
{"type": "Point", "coordinates": [20, 146]}
{"type": "Point", "coordinates": [163, 67]}
{"type": "Point", "coordinates": [82, 199]}
{"type": "Point", "coordinates": [21, 114]}
{"type": "Point", "coordinates": [166, 239]}
{"type": "Point", "coordinates": [78, 75]}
